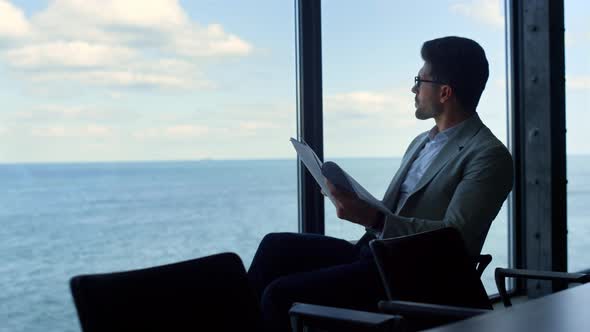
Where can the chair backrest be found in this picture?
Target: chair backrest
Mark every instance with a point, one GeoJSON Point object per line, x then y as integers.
{"type": "Point", "coordinates": [430, 267]}
{"type": "Point", "coordinates": [211, 291]}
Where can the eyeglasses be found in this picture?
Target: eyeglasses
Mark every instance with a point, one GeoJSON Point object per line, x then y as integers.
{"type": "Point", "coordinates": [418, 80]}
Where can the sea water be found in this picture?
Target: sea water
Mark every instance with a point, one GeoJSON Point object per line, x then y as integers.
{"type": "Point", "coordinates": [63, 219]}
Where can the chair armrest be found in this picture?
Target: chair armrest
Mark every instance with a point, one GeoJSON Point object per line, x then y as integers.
{"type": "Point", "coordinates": [482, 261]}
{"type": "Point", "coordinates": [340, 319]}
{"type": "Point", "coordinates": [425, 315]}
{"type": "Point", "coordinates": [407, 309]}
{"type": "Point", "coordinates": [501, 274]}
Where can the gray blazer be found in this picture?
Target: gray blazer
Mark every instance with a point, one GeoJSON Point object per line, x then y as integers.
{"type": "Point", "coordinates": [464, 187]}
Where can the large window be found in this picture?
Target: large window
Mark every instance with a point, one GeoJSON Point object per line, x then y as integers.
{"type": "Point", "coordinates": [138, 133]}
{"type": "Point", "coordinates": [577, 71]}
{"type": "Point", "coordinates": [371, 53]}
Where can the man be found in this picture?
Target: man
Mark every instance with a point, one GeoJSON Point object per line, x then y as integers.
{"type": "Point", "coordinates": [458, 174]}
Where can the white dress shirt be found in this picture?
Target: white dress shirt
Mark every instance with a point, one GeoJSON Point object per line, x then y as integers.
{"type": "Point", "coordinates": [435, 142]}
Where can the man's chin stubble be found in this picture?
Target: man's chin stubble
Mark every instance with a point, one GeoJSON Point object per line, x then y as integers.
{"type": "Point", "coordinates": [420, 116]}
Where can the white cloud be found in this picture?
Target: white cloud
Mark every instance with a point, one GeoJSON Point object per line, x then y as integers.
{"type": "Point", "coordinates": [252, 128]}
{"type": "Point", "coordinates": [370, 103]}
{"type": "Point", "coordinates": [212, 41]}
{"type": "Point", "coordinates": [68, 54]}
{"type": "Point", "coordinates": [49, 113]}
{"type": "Point", "coordinates": [186, 131]}
{"type": "Point", "coordinates": [116, 78]}
{"type": "Point", "coordinates": [484, 11]}
{"type": "Point", "coordinates": [13, 23]}
{"type": "Point", "coordinates": [256, 125]}
{"type": "Point", "coordinates": [136, 13]}
{"type": "Point", "coordinates": [121, 43]}
{"type": "Point", "coordinates": [159, 23]}
{"type": "Point", "coordinates": [172, 132]}
{"type": "Point", "coordinates": [96, 130]}
{"type": "Point", "coordinates": [61, 131]}
{"type": "Point", "coordinates": [49, 131]}
{"type": "Point", "coordinates": [163, 73]}
{"type": "Point", "coordinates": [578, 82]}
{"type": "Point", "coordinates": [109, 20]}
{"type": "Point", "coordinates": [116, 95]}
{"type": "Point", "coordinates": [63, 111]}
{"type": "Point", "coordinates": [238, 130]}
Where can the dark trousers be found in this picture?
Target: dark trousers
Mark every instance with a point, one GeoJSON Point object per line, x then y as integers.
{"type": "Point", "coordinates": [316, 269]}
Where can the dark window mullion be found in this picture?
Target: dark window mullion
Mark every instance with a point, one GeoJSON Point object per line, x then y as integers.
{"type": "Point", "coordinates": [309, 110]}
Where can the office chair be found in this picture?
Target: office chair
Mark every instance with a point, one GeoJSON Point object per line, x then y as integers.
{"type": "Point", "coordinates": [455, 295]}
{"type": "Point", "coordinates": [425, 272]}
{"type": "Point", "coordinates": [429, 280]}
{"type": "Point", "coordinates": [435, 289]}
{"type": "Point", "coordinates": [211, 292]}
{"type": "Point", "coordinates": [430, 267]}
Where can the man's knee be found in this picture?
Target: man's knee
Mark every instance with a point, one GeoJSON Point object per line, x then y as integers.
{"type": "Point", "coordinates": [274, 240]}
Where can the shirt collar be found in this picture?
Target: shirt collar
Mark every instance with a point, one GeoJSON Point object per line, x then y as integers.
{"type": "Point", "coordinates": [435, 135]}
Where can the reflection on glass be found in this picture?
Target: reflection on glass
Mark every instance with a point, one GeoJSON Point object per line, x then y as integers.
{"type": "Point", "coordinates": [137, 135]}
{"type": "Point", "coordinates": [369, 68]}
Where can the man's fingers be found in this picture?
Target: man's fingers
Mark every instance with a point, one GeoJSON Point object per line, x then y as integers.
{"type": "Point", "coordinates": [329, 185]}
{"type": "Point", "coordinates": [331, 188]}
{"type": "Point", "coordinates": [335, 192]}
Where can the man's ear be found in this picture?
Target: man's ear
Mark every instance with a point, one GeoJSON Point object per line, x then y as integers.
{"type": "Point", "coordinates": [446, 92]}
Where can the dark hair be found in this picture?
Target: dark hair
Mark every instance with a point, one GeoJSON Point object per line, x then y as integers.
{"type": "Point", "coordinates": [460, 63]}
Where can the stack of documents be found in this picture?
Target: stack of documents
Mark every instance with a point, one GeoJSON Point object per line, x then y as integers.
{"type": "Point", "coordinates": [336, 175]}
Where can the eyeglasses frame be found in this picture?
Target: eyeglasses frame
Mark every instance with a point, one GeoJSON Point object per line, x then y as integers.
{"type": "Point", "coordinates": [418, 81]}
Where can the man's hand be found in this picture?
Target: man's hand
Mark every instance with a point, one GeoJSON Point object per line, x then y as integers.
{"type": "Point", "coordinates": [351, 208]}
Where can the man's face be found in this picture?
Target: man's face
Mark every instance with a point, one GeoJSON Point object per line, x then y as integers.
{"type": "Point", "coordinates": [427, 99]}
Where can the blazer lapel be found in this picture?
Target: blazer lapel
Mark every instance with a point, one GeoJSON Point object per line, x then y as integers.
{"type": "Point", "coordinates": [450, 151]}
{"type": "Point", "coordinates": [391, 194]}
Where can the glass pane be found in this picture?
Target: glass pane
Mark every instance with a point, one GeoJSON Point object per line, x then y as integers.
{"type": "Point", "coordinates": [136, 135]}
{"type": "Point", "coordinates": [577, 92]}
{"type": "Point", "coordinates": [371, 54]}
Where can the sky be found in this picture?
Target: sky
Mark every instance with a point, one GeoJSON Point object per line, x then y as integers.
{"type": "Point", "coordinates": [112, 80]}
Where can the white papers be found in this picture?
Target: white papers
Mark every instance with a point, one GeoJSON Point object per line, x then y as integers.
{"type": "Point", "coordinates": [313, 164]}
{"type": "Point", "coordinates": [336, 175]}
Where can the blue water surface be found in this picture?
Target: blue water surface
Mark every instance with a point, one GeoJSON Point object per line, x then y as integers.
{"type": "Point", "coordinates": [61, 220]}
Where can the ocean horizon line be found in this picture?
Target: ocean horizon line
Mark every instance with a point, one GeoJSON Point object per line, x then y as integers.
{"type": "Point", "coordinates": [143, 161]}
